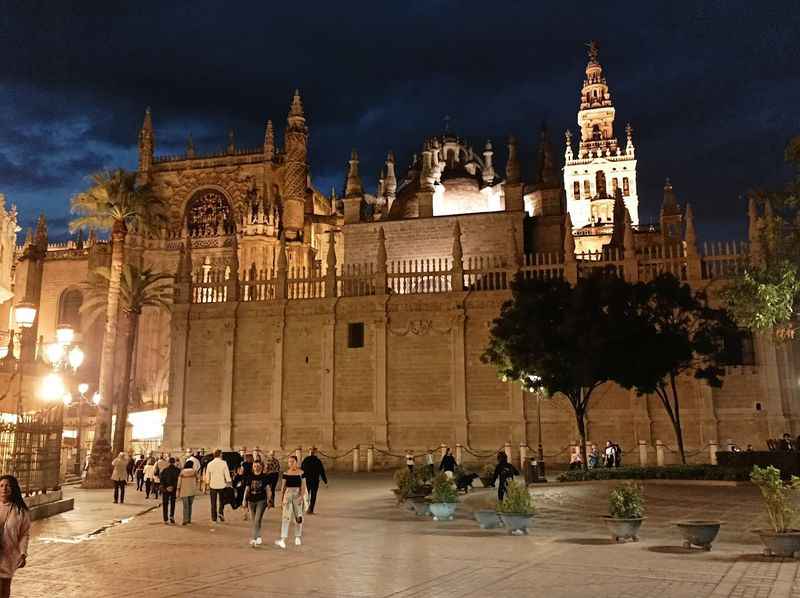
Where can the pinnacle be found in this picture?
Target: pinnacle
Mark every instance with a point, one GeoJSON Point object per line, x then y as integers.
{"type": "Point", "coordinates": [297, 104]}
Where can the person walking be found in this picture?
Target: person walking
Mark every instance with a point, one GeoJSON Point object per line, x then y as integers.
{"type": "Point", "coordinates": [119, 474]}
{"type": "Point", "coordinates": [130, 466]}
{"type": "Point", "coordinates": [293, 492]}
{"type": "Point", "coordinates": [149, 471]}
{"type": "Point", "coordinates": [169, 486]}
{"type": "Point", "coordinates": [273, 471]}
{"type": "Point", "coordinates": [448, 464]}
{"type": "Point", "coordinates": [140, 473]}
{"type": "Point", "coordinates": [503, 471]}
{"type": "Point", "coordinates": [15, 525]}
{"type": "Point", "coordinates": [410, 460]}
{"type": "Point", "coordinates": [218, 477]}
{"type": "Point", "coordinates": [187, 490]}
{"type": "Point", "coordinates": [255, 496]}
{"type": "Point", "coordinates": [313, 471]}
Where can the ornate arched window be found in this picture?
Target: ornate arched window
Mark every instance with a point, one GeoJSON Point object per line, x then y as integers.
{"type": "Point", "coordinates": [626, 188]}
{"type": "Point", "coordinates": [209, 213]}
{"type": "Point", "coordinates": [576, 190]}
{"type": "Point", "coordinates": [600, 183]}
{"type": "Point", "coordinates": [596, 133]}
{"type": "Point", "coordinates": [587, 189]}
{"type": "Point", "coordinates": [69, 308]}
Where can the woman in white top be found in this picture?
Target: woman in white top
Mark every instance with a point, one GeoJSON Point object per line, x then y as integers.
{"type": "Point", "coordinates": [15, 523]}
{"type": "Point", "coordinates": [149, 477]}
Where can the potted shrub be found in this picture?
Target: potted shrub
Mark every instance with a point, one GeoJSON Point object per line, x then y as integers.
{"type": "Point", "coordinates": [486, 475]}
{"type": "Point", "coordinates": [516, 509]}
{"type": "Point", "coordinates": [783, 539]}
{"type": "Point", "coordinates": [404, 480]}
{"type": "Point", "coordinates": [626, 512]}
{"type": "Point", "coordinates": [444, 498]}
{"type": "Point", "coordinates": [698, 533]}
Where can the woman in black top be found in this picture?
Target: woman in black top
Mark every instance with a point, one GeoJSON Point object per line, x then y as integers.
{"type": "Point", "coordinates": [293, 496]}
{"type": "Point", "coordinates": [255, 495]}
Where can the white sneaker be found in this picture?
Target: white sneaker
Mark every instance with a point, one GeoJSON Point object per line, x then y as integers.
{"type": "Point", "coordinates": [280, 543]}
{"type": "Point", "coordinates": [297, 541]}
{"type": "Point", "coordinates": [258, 541]}
{"type": "Point", "coordinates": [253, 543]}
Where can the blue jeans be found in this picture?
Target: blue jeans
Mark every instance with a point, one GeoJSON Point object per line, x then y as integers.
{"type": "Point", "coordinates": [256, 513]}
{"type": "Point", "coordinates": [187, 508]}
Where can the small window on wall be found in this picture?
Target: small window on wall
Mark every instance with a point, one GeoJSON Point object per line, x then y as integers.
{"type": "Point", "coordinates": [576, 190]}
{"type": "Point", "coordinates": [626, 187]}
{"type": "Point", "coordinates": [355, 335]}
{"type": "Point", "coordinates": [587, 189]}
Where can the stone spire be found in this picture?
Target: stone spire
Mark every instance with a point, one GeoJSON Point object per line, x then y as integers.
{"type": "Point", "coordinates": [488, 167]}
{"type": "Point", "coordinates": [546, 171]}
{"type": "Point", "coordinates": [184, 272]}
{"type": "Point", "coordinates": [618, 234]}
{"type": "Point", "coordinates": [353, 188]}
{"type": "Point", "coordinates": [390, 180]}
{"type": "Point", "coordinates": [296, 142]}
{"type": "Point", "coordinates": [627, 241]}
{"type": "Point", "coordinates": [512, 165]}
{"type": "Point", "coordinates": [630, 150]}
{"type": "Point", "coordinates": [691, 233]}
{"type": "Point", "coordinates": [147, 143]}
{"type": "Point", "coordinates": [190, 147]}
{"type": "Point", "coordinates": [569, 240]}
{"type": "Point", "coordinates": [426, 175]}
{"type": "Point", "coordinates": [269, 142]}
{"type": "Point", "coordinates": [40, 238]}
{"type": "Point", "coordinates": [231, 142]}
{"type": "Point", "coordinates": [568, 145]}
{"type": "Point", "coordinates": [595, 93]}
{"type": "Point", "coordinates": [669, 205]}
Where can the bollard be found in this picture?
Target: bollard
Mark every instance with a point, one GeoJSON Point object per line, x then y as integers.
{"type": "Point", "coordinates": [507, 450]}
{"type": "Point", "coordinates": [370, 458]}
{"type": "Point", "coordinates": [712, 452]}
{"type": "Point", "coordinates": [643, 453]}
{"type": "Point", "coordinates": [659, 453]}
{"type": "Point", "coordinates": [523, 457]}
{"type": "Point", "coordinates": [356, 459]}
{"type": "Point", "coordinates": [459, 453]}
{"type": "Point", "coordinates": [298, 452]}
{"type": "Point", "coordinates": [442, 450]}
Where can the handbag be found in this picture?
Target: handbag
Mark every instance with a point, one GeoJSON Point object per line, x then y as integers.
{"type": "Point", "coordinates": [228, 496]}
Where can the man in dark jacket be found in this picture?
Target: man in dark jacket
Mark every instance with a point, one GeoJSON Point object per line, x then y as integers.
{"type": "Point", "coordinates": [313, 471]}
{"type": "Point", "coordinates": [169, 486]}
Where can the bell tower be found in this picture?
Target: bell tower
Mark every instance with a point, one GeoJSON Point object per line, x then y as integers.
{"type": "Point", "coordinates": [601, 165]}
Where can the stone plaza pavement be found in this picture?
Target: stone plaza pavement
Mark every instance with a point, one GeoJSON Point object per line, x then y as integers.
{"type": "Point", "coordinates": [362, 544]}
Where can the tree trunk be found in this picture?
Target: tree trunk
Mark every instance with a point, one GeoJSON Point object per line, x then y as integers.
{"type": "Point", "coordinates": [676, 420]}
{"type": "Point", "coordinates": [580, 419]}
{"type": "Point", "coordinates": [99, 472]}
{"type": "Point", "coordinates": [123, 400]}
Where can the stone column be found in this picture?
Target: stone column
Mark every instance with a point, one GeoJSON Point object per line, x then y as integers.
{"type": "Point", "coordinates": [508, 452]}
{"type": "Point", "coordinates": [356, 459]}
{"type": "Point", "coordinates": [370, 458]}
{"type": "Point", "coordinates": [712, 452]}
{"type": "Point", "coordinates": [298, 452]}
{"type": "Point", "coordinates": [179, 344]}
{"type": "Point", "coordinates": [381, 426]}
{"type": "Point", "coordinates": [459, 374]}
{"type": "Point", "coordinates": [228, 342]}
{"type": "Point", "coordinates": [643, 453]}
{"type": "Point", "coordinates": [523, 457]}
{"type": "Point", "coordinates": [459, 453]}
{"type": "Point", "coordinates": [659, 453]}
{"type": "Point", "coordinates": [276, 400]}
{"type": "Point", "coordinates": [328, 359]}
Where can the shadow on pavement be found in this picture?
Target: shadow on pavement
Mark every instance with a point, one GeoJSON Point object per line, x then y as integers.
{"type": "Point", "coordinates": [587, 541]}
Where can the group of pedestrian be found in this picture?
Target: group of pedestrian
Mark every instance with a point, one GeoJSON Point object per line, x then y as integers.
{"type": "Point", "coordinates": [249, 480]}
{"type": "Point", "coordinates": [611, 456]}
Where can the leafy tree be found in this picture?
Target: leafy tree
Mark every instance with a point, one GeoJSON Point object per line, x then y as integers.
{"type": "Point", "coordinates": [767, 295]}
{"type": "Point", "coordinates": [114, 201]}
{"type": "Point", "coordinates": [138, 289]}
{"type": "Point", "coordinates": [555, 338]}
{"type": "Point", "coordinates": [672, 331]}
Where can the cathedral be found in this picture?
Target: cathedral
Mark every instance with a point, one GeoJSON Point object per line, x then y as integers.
{"type": "Point", "coordinates": [305, 319]}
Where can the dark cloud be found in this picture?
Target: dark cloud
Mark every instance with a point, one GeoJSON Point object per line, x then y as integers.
{"type": "Point", "coordinates": [710, 87]}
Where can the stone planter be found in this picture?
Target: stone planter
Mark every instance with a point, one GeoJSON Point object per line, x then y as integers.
{"type": "Point", "coordinates": [623, 529]}
{"type": "Point", "coordinates": [420, 506]}
{"type": "Point", "coordinates": [443, 511]}
{"type": "Point", "coordinates": [487, 519]}
{"type": "Point", "coordinates": [517, 524]}
{"type": "Point", "coordinates": [698, 533]}
{"type": "Point", "coordinates": [786, 544]}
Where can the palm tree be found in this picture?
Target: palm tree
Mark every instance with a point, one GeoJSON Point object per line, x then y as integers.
{"type": "Point", "coordinates": [115, 202]}
{"type": "Point", "coordinates": [138, 289]}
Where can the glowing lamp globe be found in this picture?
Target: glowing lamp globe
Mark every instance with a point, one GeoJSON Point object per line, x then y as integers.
{"type": "Point", "coordinates": [54, 352]}
{"type": "Point", "coordinates": [25, 314]}
{"type": "Point", "coordinates": [67, 398]}
{"type": "Point", "coordinates": [65, 334]}
{"type": "Point", "coordinates": [96, 398]}
{"type": "Point", "coordinates": [52, 387]}
{"type": "Point", "coordinates": [83, 388]}
{"type": "Point", "coordinates": [75, 357]}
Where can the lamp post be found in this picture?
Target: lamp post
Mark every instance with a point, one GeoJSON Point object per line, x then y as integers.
{"type": "Point", "coordinates": [25, 316]}
{"type": "Point", "coordinates": [83, 388]}
{"type": "Point", "coordinates": [535, 383]}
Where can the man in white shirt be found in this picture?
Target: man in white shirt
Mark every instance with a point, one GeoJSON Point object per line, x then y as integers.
{"type": "Point", "coordinates": [218, 477]}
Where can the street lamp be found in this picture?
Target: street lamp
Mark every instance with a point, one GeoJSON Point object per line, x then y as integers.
{"type": "Point", "coordinates": [52, 387]}
{"type": "Point", "coordinates": [25, 314]}
{"type": "Point", "coordinates": [65, 334]}
{"type": "Point", "coordinates": [54, 353]}
{"type": "Point", "coordinates": [75, 357]}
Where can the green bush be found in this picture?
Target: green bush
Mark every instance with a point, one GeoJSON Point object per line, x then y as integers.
{"type": "Point", "coordinates": [625, 502]}
{"type": "Point", "coordinates": [487, 471]}
{"type": "Point", "coordinates": [778, 496]}
{"type": "Point", "coordinates": [672, 472]}
{"type": "Point", "coordinates": [517, 501]}
{"type": "Point", "coordinates": [405, 481]}
{"type": "Point", "coordinates": [444, 490]}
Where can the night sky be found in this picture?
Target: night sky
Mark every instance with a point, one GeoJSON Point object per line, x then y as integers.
{"type": "Point", "coordinates": [711, 88]}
